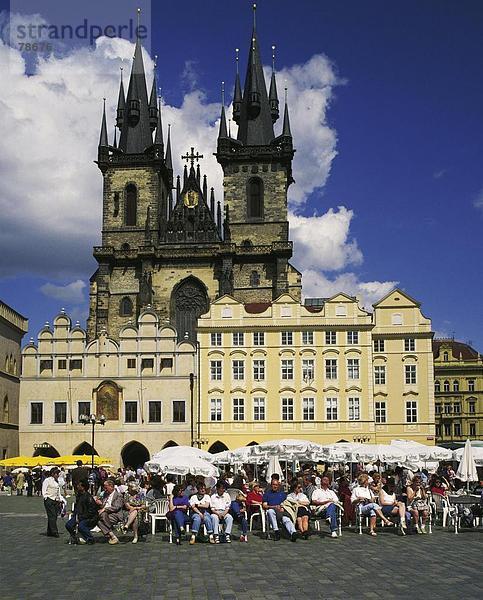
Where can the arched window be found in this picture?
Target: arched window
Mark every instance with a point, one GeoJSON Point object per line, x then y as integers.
{"type": "Point", "coordinates": [6, 410]}
{"type": "Point", "coordinates": [130, 214]}
{"type": "Point", "coordinates": [456, 386]}
{"type": "Point", "coordinates": [7, 362]}
{"type": "Point", "coordinates": [445, 356]}
{"type": "Point", "coordinates": [437, 386]}
{"type": "Point", "coordinates": [446, 386]}
{"type": "Point", "coordinates": [126, 308]}
{"type": "Point", "coordinates": [254, 279]}
{"type": "Point", "coordinates": [14, 366]}
{"type": "Point", "coordinates": [255, 198]}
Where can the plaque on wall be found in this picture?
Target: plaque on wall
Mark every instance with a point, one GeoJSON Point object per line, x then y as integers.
{"type": "Point", "coordinates": [107, 401]}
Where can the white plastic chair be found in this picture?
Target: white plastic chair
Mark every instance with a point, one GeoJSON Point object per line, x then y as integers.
{"type": "Point", "coordinates": [318, 519]}
{"type": "Point", "coordinates": [258, 513]}
{"type": "Point", "coordinates": [161, 508]}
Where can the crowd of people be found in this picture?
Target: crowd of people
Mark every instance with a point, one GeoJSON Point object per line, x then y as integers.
{"type": "Point", "coordinates": [201, 509]}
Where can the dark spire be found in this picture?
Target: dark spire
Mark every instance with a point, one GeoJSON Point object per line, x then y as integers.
{"type": "Point", "coordinates": [212, 202]}
{"type": "Point", "coordinates": [178, 188]}
{"type": "Point", "coordinates": [198, 173]}
{"type": "Point", "coordinates": [223, 133]}
{"type": "Point", "coordinates": [158, 138]}
{"type": "Point", "coordinates": [103, 141]}
{"type": "Point", "coordinates": [272, 95]}
{"type": "Point", "coordinates": [153, 100]}
{"type": "Point", "coordinates": [237, 96]}
{"type": "Point", "coordinates": [205, 188]}
{"type": "Point", "coordinates": [114, 143]}
{"type": "Point", "coordinates": [169, 160]}
{"type": "Point", "coordinates": [136, 132]}
{"type": "Point", "coordinates": [185, 175]}
{"type": "Point", "coordinates": [121, 104]}
{"type": "Point", "coordinates": [286, 119]}
{"type": "Point", "coordinates": [255, 127]}
{"type": "Point", "coordinates": [218, 218]}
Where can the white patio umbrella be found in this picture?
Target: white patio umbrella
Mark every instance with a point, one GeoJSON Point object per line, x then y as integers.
{"type": "Point", "coordinates": [383, 452]}
{"type": "Point", "coordinates": [467, 467]}
{"type": "Point", "coordinates": [183, 451]}
{"type": "Point", "coordinates": [477, 454]}
{"type": "Point", "coordinates": [182, 464]}
{"type": "Point", "coordinates": [421, 454]}
{"type": "Point", "coordinates": [274, 467]}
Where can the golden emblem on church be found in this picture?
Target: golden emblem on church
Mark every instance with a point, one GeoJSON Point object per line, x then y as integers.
{"type": "Point", "coordinates": [191, 198]}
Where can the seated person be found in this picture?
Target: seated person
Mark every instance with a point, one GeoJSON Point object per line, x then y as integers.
{"type": "Point", "coordinates": [84, 517]}
{"type": "Point", "coordinates": [238, 509]}
{"type": "Point", "coordinates": [391, 506]}
{"type": "Point", "coordinates": [417, 503]}
{"type": "Point", "coordinates": [303, 513]}
{"type": "Point", "coordinates": [309, 485]}
{"type": "Point", "coordinates": [155, 492]}
{"type": "Point", "coordinates": [135, 504]}
{"type": "Point", "coordinates": [178, 512]}
{"type": "Point", "coordinates": [362, 495]}
{"type": "Point", "coordinates": [254, 498]}
{"type": "Point", "coordinates": [272, 500]}
{"type": "Point", "coordinates": [376, 484]}
{"type": "Point", "coordinates": [220, 503]}
{"type": "Point", "coordinates": [190, 488]}
{"type": "Point", "coordinates": [200, 514]}
{"type": "Point", "coordinates": [324, 500]}
{"type": "Point", "coordinates": [437, 487]}
{"type": "Point", "coordinates": [111, 511]}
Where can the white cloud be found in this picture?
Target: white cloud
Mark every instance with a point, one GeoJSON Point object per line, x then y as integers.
{"type": "Point", "coordinates": [478, 203]}
{"type": "Point", "coordinates": [71, 292]}
{"type": "Point", "coordinates": [51, 198]}
{"type": "Point", "coordinates": [318, 285]}
{"type": "Point", "coordinates": [322, 242]}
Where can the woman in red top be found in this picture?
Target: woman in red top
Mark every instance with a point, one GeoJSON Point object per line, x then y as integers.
{"type": "Point", "coordinates": [254, 498]}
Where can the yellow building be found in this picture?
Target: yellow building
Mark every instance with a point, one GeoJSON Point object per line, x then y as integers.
{"type": "Point", "coordinates": [458, 390]}
{"type": "Point", "coordinates": [143, 384]}
{"type": "Point", "coordinates": [325, 371]}
{"type": "Point", "coordinates": [13, 326]}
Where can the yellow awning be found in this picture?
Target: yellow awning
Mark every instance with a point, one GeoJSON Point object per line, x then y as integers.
{"type": "Point", "coordinates": [71, 459]}
{"type": "Point", "coordinates": [26, 461]}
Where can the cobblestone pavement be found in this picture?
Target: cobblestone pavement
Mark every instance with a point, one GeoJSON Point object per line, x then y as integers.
{"type": "Point", "coordinates": [33, 566]}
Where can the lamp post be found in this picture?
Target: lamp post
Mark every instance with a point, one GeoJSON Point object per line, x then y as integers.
{"type": "Point", "coordinates": [93, 420]}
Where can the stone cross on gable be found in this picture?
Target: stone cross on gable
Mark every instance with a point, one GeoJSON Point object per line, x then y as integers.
{"type": "Point", "coordinates": [192, 157]}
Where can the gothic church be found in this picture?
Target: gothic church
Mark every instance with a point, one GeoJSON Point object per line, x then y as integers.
{"type": "Point", "coordinates": [166, 242]}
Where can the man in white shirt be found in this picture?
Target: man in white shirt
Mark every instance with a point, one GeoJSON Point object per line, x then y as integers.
{"type": "Point", "coordinates": [220, 503]}
{"type": "Point", "coordinates": [323, 499]}
{"type": "Point", "coordinates": [51, 495]}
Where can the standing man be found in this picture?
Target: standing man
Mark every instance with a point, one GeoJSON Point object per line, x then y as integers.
{"type": "Point", "coordinates": [80, 473]}
{"type": "Point", "coordinates": [51, 495]}
{"type": "Point", "coordinates": [20, 482]}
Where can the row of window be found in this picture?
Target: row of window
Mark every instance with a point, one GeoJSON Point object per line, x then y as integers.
{"type": "Point", "coordinates": [287, 409]}
{"type": "Point", "coordinates": [308, 370]}
{"type": "Point", "coordinates": [131, 411]}
{"type": "Point", "coordinates": [455, 408]}
{"type": "Point", "coordinates": [456, 386]}
{"type": "Point", "coordinates": [11, 365]}
{"type": "Point", "coordinates": [287, 338]}
{"type": "Point", "coordinates": [131, 363]}
{"type": "Point", "coordinates": [454, 429]}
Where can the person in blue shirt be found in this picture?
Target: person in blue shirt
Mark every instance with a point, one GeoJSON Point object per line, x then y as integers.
{"type": "Point", "coordinates": [272, 500]}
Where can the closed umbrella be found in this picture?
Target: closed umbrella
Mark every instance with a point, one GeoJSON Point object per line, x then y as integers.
{"type": "Point", "coordinates": [467, 467]}
{"type": "Point", "coordinates": [274, 467]}
{"type": "Point", "coordinates": [477, 454]}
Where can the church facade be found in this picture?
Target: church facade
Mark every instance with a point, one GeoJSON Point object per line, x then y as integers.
{"type": "Point", "coordinates": [167, 243]}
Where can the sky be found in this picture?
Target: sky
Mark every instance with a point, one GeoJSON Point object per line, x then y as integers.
{"type": "Point", "coordinates": [386, 109]}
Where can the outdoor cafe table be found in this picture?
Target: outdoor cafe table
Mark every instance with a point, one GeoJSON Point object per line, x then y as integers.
{"type": "Point", "coordinates": [459, 502]}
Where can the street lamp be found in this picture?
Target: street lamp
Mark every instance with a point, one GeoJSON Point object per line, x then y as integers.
{"type": "Point", "coordinates": [93, 420]}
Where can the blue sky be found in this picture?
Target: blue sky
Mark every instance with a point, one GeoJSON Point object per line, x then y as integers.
{"type": "Point", "coordinates": [407, 124]}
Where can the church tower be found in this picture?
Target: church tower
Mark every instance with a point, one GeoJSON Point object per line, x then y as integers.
{"type": "Point", "coordinates": [257, 168]}
{"type": "Point", "coordinates": [168, 244]}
